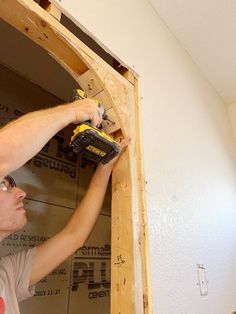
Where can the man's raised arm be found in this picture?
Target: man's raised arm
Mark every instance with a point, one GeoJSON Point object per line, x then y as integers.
{"type": "Point", "coordinates": [56, 250]}
{"type": "Point", "coordinates": [23, 138]}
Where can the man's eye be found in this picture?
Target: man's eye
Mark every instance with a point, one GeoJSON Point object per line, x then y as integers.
{"type": "Point", "coordinates": [4, 185]}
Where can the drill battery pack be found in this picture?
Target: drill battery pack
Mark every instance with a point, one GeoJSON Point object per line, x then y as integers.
{"type": "Point", "coordinates": [93, 144]}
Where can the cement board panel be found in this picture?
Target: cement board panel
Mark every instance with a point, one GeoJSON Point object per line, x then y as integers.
{"type": "Point", "coordinates": [84, 178]}
{"type": "Point", "coordinates": [90, 280]}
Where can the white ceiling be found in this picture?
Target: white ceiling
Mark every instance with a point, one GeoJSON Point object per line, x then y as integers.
{"type": "Point", "coordinates": [207, 30]}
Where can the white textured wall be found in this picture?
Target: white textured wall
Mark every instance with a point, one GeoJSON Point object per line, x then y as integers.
{"type": "Point", "coordinates": [232, 114]}
{"type": "Point", "coordinates": [190, 160]}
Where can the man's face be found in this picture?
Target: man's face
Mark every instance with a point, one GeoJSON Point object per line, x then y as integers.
{"type": "Point", "coordinates": [12, 211]}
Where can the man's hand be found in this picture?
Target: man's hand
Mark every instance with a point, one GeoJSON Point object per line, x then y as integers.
{"type": "Point", "coordinates": [86, 109]}
{"type": "Point", "coordinates": [123, 144]}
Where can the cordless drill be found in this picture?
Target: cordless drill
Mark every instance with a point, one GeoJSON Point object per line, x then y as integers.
{"type": "Point", "coordinates": [91, 142]}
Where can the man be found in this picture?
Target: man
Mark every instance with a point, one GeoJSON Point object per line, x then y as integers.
{"type": "Point", "coordinates": [19, 142]}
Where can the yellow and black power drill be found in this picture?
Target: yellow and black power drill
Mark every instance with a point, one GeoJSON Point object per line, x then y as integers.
{"type": "Point", "coordinates": [91, 142]}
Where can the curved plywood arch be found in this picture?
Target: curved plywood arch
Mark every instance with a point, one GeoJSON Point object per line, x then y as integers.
{"type": "Point", "coordinates": [130, 290]}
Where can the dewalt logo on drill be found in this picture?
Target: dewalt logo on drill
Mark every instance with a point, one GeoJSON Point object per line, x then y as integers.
{"type": "Point", "coordinates": [96, 151]}
{"type": "Point", "coordinates": [93, 144]}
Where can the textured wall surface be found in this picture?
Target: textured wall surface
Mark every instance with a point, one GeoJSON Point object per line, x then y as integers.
{"type": "Point", "coordinates": [190, 159]}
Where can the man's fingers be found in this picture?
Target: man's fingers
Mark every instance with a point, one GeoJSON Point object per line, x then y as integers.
{"type": "Point", "coordinates": [97, 114]}
{"type": "Point", "coordinates": [96, 118]}
{"type": "Point", "coordinates": [125, 142]}
{"type": "Point", "coordinates": [99, 117]}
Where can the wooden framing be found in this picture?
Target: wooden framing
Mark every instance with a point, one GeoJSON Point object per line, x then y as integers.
{"type": "Point", "coordinates": [50, 8]}
{"type": "Point", "coordinates": [130, 288]}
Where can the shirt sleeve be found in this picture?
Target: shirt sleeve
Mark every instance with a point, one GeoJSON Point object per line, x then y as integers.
{"type": "Point", "coordinates": [22, 264]}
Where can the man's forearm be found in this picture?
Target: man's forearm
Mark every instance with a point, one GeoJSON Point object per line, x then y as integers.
{"type": "Point", "coordinates": [23, 138]}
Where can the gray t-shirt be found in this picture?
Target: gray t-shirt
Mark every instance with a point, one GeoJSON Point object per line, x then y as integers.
{"type": "Point", "coordinates": [15, 273]}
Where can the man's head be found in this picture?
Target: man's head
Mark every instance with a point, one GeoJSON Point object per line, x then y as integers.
{"type": "Point", "coordinates": [12, 211]}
